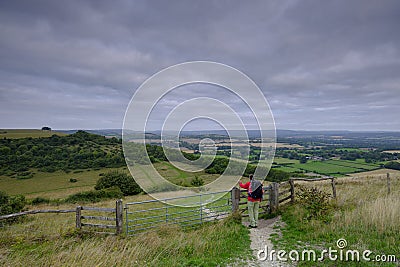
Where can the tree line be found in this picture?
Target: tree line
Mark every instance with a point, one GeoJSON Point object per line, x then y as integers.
{"type": "Point", "coordinates": [76, 151]}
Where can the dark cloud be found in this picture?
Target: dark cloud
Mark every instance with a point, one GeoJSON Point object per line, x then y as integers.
{"type": "Point", "coordinates": [321, 65]}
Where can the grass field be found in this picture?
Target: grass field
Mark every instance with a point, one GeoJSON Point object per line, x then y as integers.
{"type": "Point", "coordinates": [332, 167]}
{"type": "Point", "coordinates": [52, 185]}
{"type": "Point", "coordinates": [279, 160]}
{"type": "Point", "coordinates": [179, 177]}
{"type": "Point", "coordinates": [23, 133]}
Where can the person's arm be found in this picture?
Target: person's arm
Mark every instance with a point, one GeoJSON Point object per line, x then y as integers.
{"type": "Point", "coordinates": [245, 186]}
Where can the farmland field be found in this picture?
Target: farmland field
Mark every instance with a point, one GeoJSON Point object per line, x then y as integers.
{"type": "Point", "coordinates": [23, 133]}
{"type": "Point", "coordinates": [335, 167]}
{"type": "Point", "coordinates": [325, 168]}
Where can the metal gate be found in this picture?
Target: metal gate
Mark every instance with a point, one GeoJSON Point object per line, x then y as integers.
{"type": "Point", "coordinates": [146, 215]}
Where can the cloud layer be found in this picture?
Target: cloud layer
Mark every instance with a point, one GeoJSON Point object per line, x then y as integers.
{"type": "Point", "coordinates": [321, 65]}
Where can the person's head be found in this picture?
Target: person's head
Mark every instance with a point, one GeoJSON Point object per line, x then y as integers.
{"type": "Point", "coordinates": [251, 176]}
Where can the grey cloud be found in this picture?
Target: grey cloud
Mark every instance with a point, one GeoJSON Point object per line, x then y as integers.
{"type": "Point", "coordinates": [321, 65]}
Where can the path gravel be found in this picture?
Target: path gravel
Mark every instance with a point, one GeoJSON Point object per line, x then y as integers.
{"type": "Point", "coordinates": [260, 238]}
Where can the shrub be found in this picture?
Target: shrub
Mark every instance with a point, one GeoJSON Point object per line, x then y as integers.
{"type": "Point", "coordinates": [48, 169]}
{"type": "Point", "coordinates": [277, 176]}
{"type": "Point", "coordinates": [73, 180]}
{"type": "Point", "coordinates": [197, 181]}
{"type": "Point", "coordinates": [39, 200]}
{"type": "Point", "coordinates": [124, 181]}
{"type": "Point", "coordinates": [315, 202]}
{"type": "Point", "coordinates": [11, 204]}
{"type": "Point", "coordinates": [393, 165]}
{"type": "Point", "coordinates": [24, 175]}
{"type": "Point", "coordinates": [95, 195]}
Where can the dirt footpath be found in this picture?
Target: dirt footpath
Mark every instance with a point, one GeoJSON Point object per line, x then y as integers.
{"type": "Point", "coordinates": [260, 238]}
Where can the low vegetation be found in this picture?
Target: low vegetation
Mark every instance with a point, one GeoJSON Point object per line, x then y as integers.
{"type": "Point", "coordinates": [51, 240]}
{"type": "Point", "coordinates": [364, 214]}
{"type": "Point", "coordinates": [11, 204]}
{"type": "Point", "coordinates": [122, 180]}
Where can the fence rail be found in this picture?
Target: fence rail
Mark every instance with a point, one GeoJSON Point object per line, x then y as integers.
{"type": "Point", "coordinates": [9, 216]}
{"type": "Point", "coordinates": [117, 219]}
{"type": "Point", "coordinates": [149, 214]}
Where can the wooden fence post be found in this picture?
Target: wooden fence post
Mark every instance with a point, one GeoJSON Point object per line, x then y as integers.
{"type": "Point", "coordinates": [78, 217]}
{"type": "Point", "coordinates": [274, 197]}
{"type": "Point", "coordinates": [118, 216]}
{"type": "Point", "coordinates": [388, 182]}
{"type": "Point", "coordinates": [235, 198]}
{"type": "Point", "coordinates": [291, 182]}
{"type": "Point", "coordinates": [333, 187]}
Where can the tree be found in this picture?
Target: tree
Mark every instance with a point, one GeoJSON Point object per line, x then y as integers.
{"type": "Point", "coordinates": [303, 159]}
{"type": "Point", "coordinates": [393, 165]}
{"type": "Point", "coordinates": [124, 181]}
{"type": "Point", "coordinates": [45, 128]}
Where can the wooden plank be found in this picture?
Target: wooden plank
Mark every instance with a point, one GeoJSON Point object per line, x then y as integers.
{"type": "Point", "coordinates": [284, 192]}
{"type": "Point", "coordinates": [118, 216]}
{"type": "Point", "coordinates": [333, 188]}
{"type": "Point", "coordinates": [100, 218]}
{"type": "Point", "coordinates": [99, 209]}
{"type": "Point", "coordinates": [78, 217]}
{"type": "Point", "coordinates": [388, 182]}
{"type": "Point", "coordinates": [33, 212]}
{"type": "Point", "coordinates": [291, 182]}
{"type": "Point", "coordinates": [311, 179]}
{"type": "Point", "coordinates": [284, 199]}
{"type": "Point", "coordinates": [99, 225]}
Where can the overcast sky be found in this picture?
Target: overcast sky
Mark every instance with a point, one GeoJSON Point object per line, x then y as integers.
{"type": "Point", "coordinates": [321, 65]}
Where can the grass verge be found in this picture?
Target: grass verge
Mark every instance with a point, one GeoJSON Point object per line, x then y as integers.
{"type": "Point", "coordinates": [51, 240]}
{"type": "Point", "coordinates": [366, 216]}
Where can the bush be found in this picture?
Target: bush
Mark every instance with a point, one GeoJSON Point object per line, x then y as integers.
{"type": "Point", "coordinates": [393, 165]}
{"type": "Point", "coordinates": [277, 176]}
{"type": "Point", "coordinates": [11, 204]}
{"type": "Point", "coordinates": [95, 195]}
{"type": "Point", "coordinates": [24, 175]}
{"type": "Point", "coordinates": [39, 200]}
{"type": "Point", "coordinates": [196, 181]}
{"type": "Point", "coordinates": [73, 180]}
{"type": "Point", "coordinates": [124, 181]}
{"type": "Point", "coordinates": [315, 202]}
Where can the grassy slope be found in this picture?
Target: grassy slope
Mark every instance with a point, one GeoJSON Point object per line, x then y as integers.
{"type": "Point", "coordinates": [52, 185]}
{"type": "Point", "coordinates": [50, 240]}
{"type": "Point", "coordinates": [23, 133]}
{"type": "Point", "coordinates": [177, 176]}
{"type": "Point", "coordinates": [365, 215]}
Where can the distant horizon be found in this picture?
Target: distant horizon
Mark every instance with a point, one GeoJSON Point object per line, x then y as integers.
{"type": "Point", "coordinates": [209, 130]}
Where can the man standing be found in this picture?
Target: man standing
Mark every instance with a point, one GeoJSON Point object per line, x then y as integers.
{"type": "Point", "coordinates": [255, 192]}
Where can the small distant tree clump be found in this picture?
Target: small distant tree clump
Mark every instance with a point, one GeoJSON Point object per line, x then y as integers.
{"type": "Point", "coordinates": [122, 180]}
{"type": "Point", "coordinates": [45, 128]}
{"type": "Point", "coordinates": [393, 165]}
